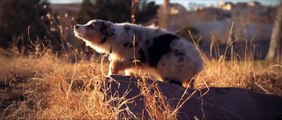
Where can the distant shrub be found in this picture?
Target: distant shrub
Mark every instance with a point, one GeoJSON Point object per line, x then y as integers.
{"type": "Point", "coordinates": [116, 10]}
{"type": "Point", "coordinates": [189, 33]}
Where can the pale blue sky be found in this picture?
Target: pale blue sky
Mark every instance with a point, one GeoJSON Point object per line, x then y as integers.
{"type": "Point", "coordinates": [186, 2]}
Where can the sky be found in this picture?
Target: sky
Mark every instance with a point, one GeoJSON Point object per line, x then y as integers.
{"type": "Point", "coordinates": [187, 2]}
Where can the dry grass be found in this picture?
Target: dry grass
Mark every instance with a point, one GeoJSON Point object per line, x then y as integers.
{"type": "Point", "coordinates": [47, 87]}
{"type": "Point", "coordinates": [259, 76]}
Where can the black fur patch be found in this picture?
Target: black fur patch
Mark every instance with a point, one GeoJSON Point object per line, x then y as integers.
{"type": "Point", "coordinates": [142, 56]}
{"type": "Point", "coordinates": [106, 31]}
{"type": "Point", "coordinates": [136, 44]}
{"type": "Point", "coordinates": [103, 28]}
{"type": "Point", "coordinates": [104, 39]}
{"type": "Point", "coordinates": [180, 54]}
{"type": "Point", "coordinates": [180, 59]}
{"type": "Point", "coordinates": [90, 27]}
{"type": "Point", "coordinates": [126, 44]}
{"type": "Point", "coordinates": [138, 37]}
{"type": "Point", "coordinates": [147, 42]}
{"type": "Point", "coordinates": [126, 28]}
{"type": "Point", "coordinates": [160, 46]}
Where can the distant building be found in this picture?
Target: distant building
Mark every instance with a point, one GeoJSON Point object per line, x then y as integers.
{"type": "Point", "coordinates": [192, 6]}
{"type": "Point", "coordinates": [169, 11]}
{"type": "Point", "coordinates": [254, 3]}
{"type": "Point", "coordinates": [248, 12]}
{"type": "Point", "coordinates": [213, 14]}
{"type": "Point", "coordinates": [227, 6]}
{"type": "Point", "coordinates": [171, 8]}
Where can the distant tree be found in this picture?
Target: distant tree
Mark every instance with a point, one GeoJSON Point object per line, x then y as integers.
{"type": "Point", "coordinates": [26, 22]}
{"type": "Point", "coordinates": [116, 10]}
{"type": "Point", "coordinates": [86, 12]}
{"type": "Point", "coordinates": [276, 38]}
{"type": "Point", "coordinates": [146, 11]}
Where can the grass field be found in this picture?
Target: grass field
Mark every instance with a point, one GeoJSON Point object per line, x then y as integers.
{"type": "Point", "coordinates": [48, 87]}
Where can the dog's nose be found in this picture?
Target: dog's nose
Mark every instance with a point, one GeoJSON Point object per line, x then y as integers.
{"type": "Point", "coordinates": [76, 26]}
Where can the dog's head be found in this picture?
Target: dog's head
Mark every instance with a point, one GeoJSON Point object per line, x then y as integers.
{"type": "Point", "coordinates": [95, 31]}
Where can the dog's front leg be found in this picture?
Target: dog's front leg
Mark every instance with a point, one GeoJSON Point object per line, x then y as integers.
{"type": "Point", "coordinates": [116, 66]}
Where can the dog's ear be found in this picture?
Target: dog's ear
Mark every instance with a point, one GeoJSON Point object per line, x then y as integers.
{"type": "Point", "coordinates": [106, 28]}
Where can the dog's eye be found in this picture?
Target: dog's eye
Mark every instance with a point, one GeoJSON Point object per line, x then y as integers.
{"type": "Point", "coordinates": [91, 27]}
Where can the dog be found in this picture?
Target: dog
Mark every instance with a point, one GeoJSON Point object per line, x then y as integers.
{"type": "Point", "coordinates": [170, 58]}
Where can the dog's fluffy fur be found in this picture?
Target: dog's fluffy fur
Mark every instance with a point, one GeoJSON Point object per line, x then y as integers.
{"type": "Point", "coordinates": [165, 55]}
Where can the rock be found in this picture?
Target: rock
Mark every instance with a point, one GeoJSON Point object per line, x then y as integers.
{"type": "Point", "coordinates": [215, 103]}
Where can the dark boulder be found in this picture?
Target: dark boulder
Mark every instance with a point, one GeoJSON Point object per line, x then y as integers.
{"type": "Point", "coordinates": [212, 103]}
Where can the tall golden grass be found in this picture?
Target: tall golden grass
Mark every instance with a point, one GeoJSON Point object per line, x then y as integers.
{"type": "Point", "coordinates": [48, 87]}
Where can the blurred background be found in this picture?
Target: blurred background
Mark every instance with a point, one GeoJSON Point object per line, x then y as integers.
{"type": "Point", "coordinates": [217, 26]}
